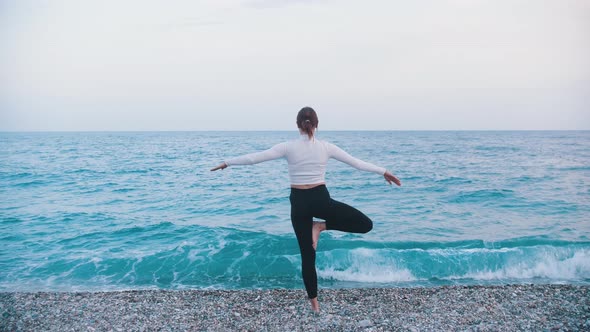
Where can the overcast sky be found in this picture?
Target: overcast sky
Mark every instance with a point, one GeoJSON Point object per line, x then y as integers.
{"type": "Point", "coordinates": [252, 64]}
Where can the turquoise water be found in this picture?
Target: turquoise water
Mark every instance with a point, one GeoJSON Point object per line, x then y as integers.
{"type": "Point", "coordinates": [105, 211]}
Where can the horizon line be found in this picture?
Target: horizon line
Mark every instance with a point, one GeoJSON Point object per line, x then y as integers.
{"type": "Point", "coordinates": [284, 130]}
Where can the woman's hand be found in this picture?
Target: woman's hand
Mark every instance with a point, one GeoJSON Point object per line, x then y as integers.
{"type": "Point", "coordinates": [390, 178]}
{"type": "Point", "coordinates": [222, 166]}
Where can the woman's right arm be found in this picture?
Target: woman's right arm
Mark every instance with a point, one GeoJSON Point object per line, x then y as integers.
{"type": "Point", "coordinates": [276, 152]}
{"type": "Point", "coordinates": [221, 166]}
{"type": "Point", "coordinates": [390, 178]}
{"type": "Point", "coordinates": [341, 155]}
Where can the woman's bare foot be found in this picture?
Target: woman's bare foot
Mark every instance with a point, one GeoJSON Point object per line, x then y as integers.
{"type": "Point", "coordinates": [317, 228]}
{"type": "Point", "coordinates": [315, 305]}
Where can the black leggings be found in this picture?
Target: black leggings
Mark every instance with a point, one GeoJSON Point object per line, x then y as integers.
{"type": "Point", "coordinates": [316, 202]}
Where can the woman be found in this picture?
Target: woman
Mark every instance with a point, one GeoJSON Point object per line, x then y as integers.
{"type": "Point", "coordinates": [307, 158]}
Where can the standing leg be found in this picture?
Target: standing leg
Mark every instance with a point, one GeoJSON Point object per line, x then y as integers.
{"type": "Point", "coordinates": [302, 227]}
{"type": "Point", "coordinates": [302, 222]}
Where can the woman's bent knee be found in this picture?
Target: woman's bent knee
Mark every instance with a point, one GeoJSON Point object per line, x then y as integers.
{"type": "Point", "coordinates": [368, 226]}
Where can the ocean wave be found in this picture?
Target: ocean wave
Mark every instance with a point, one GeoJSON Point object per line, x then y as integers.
{"type": "Point", "coordinates": [497, 148]}
{"type": "Point", "coordinates": [31, 183]}
{"type": "Point", "coordinates": [363, 265]}
{"type": "Point", "coordinates": [234, 258]}
{"type": "Point", "coordinates": [453, 180]}
{"type": "Point", "coordinates": [479, 196]}
{"type": "Point", "coordinates": [473, 265]}
{"type": "Point", "coordinates": [15, 175]}
{"type": "Point", "coordinates": [550, 266]}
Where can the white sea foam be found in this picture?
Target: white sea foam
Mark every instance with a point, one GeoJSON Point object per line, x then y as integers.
{"type": "Point", "coordinates": [366, 265]}
{"type": "Point", "coordinates": [195, 255]}
{"type": "Point", "coordinates": [390, 266]}
{"type": "Point", "coordinates": [216, 246]}
{"type": "Point", "coordinates": [371, 274]}
{"type": "Point", "coordinates": [546, 266]}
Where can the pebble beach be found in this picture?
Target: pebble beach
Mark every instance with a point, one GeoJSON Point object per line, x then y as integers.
{"type": "Point", "coordinates": [446, 308]}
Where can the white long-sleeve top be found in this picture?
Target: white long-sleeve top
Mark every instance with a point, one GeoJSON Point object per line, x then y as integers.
{"type": "Point", "coordinates": [307, 159]}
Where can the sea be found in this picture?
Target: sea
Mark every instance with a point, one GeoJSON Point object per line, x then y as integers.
{"type": "Point", "coordinates": [104, 211]}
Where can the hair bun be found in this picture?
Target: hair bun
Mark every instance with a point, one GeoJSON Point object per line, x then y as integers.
{"type": "Point", "coordinates": [307, 120]}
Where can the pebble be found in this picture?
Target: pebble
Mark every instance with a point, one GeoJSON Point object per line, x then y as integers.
{"type": "Point", "coordinates": [448, 308]}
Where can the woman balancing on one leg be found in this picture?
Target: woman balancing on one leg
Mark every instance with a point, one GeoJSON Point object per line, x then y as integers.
{"type": "Point", "coordinates": [307, 158]}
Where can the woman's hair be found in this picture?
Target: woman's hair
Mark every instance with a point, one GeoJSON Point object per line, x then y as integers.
{"type": "Point", "coordinates": [307, 120]}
